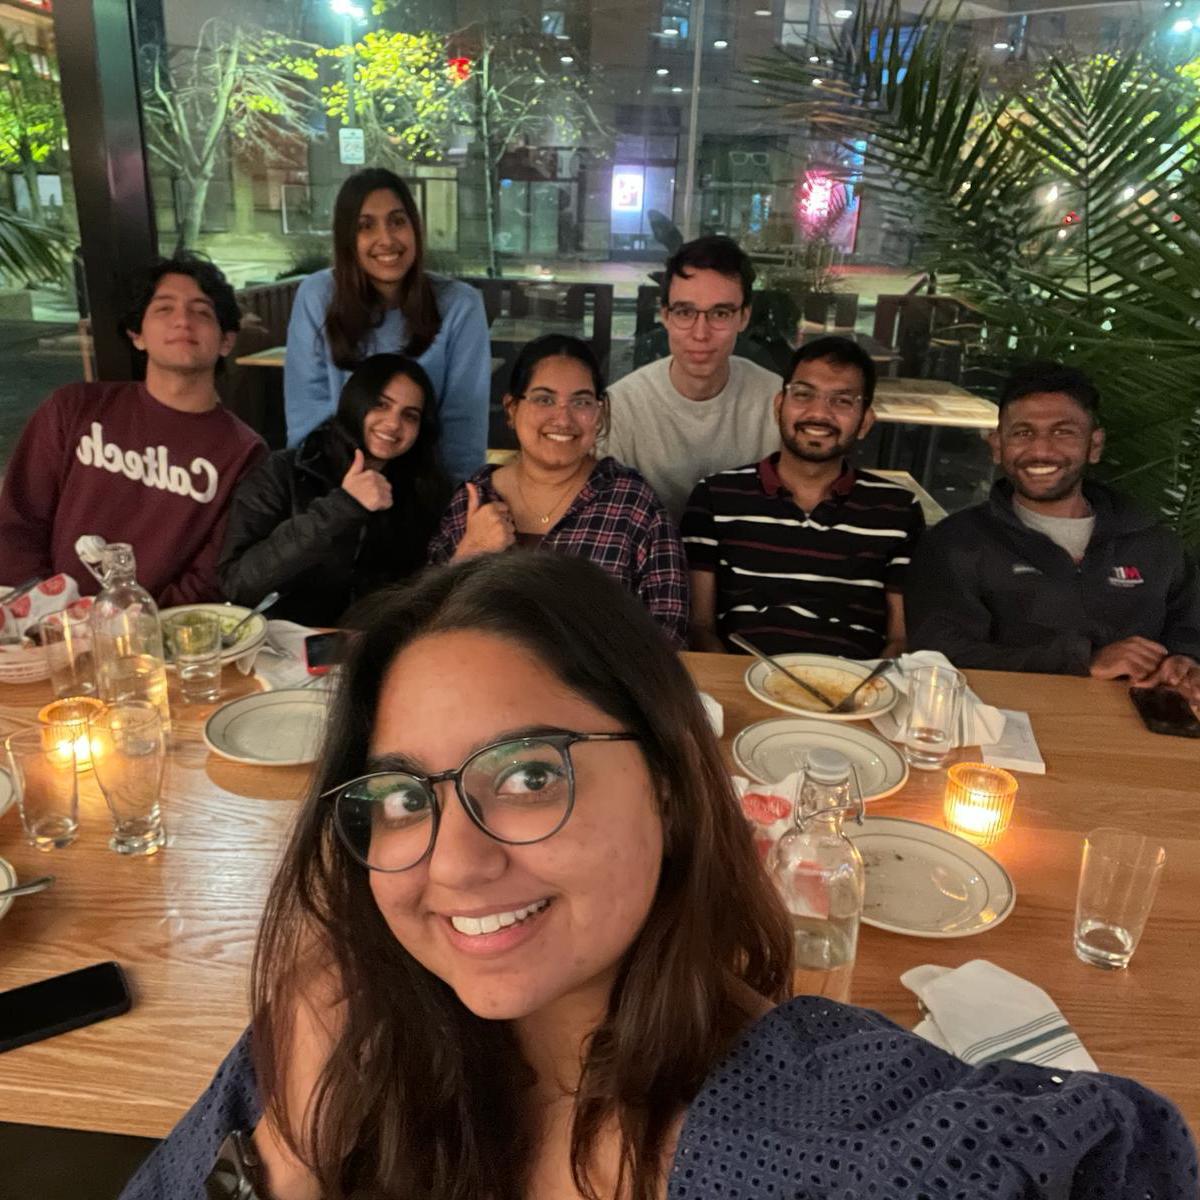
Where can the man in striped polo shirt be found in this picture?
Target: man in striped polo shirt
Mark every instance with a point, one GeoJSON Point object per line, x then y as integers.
{"type": "Point", "coordinates": [801, 551]}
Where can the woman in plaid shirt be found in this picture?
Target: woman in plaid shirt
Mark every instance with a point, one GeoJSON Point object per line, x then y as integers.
{"type": "Point", "coordinates": [554, 495]}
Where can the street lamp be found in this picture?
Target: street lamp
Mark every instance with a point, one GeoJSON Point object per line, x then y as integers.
{"type": "Point", "coordinates": [349, 12]}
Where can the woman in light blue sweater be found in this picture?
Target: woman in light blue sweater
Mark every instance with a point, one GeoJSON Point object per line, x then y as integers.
{"type": "Point", "coordinates": [378, 299]}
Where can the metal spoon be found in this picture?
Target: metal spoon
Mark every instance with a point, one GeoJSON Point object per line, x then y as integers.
{"type": "Point", "coordinates": [230, 638]}
{"type": "Point", "coordinates": [847, 704]}
{"type": "Point", "coordinates": [27, 889]}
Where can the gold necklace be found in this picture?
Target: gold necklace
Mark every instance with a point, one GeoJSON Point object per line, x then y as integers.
{"type": "Point", "coordinates": [544, 518]}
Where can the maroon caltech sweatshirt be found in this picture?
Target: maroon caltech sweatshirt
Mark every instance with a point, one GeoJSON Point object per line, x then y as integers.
{"type": "Point", "coordinates": [110, 459]}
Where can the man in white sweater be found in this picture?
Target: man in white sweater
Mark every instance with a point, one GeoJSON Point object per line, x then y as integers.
{"type": "Point", "coordinates": [702, 409]}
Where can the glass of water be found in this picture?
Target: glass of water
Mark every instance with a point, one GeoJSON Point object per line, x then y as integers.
{"type": "Point", "coordinates": [43, 769]}
{"type": "Point", "coordinates": [67, 637]}
{"type": "Point", "coordinates": [1118, 879]}
{"type": "Point", "coordinates": [935, 696]}
{"type": "Point", "coordinates": [195, 641]}
{"type": "Point", "coordinates": [128, 753]}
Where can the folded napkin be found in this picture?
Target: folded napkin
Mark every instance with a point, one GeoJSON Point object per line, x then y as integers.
{"type": "Point", "coordinates": [278, 660]}
{"type": "Point", "coordinates": [979, 724]}
{"type": "Point", "coordinates": [981, 1012]}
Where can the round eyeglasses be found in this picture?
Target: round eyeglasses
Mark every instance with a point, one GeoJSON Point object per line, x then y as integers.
{"type": "Point", "coordinates": [518, 790]}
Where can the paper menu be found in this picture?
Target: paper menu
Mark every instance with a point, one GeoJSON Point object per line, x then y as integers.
{"type": "Point", "coordinates": [1017, 749]}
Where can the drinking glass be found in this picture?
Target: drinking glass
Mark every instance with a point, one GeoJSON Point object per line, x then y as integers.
{"type": "Point", "coordinates": [43, 771]}
{"type": "Point", "coordinates": [1118, 878]}
{"type": "Point", "coordinates": [934, 699]}
{"type": "Point", "coordinates": [195, 640]}
{"type": "Point", "coordinates": [67, 638]}
{"type": "Point", "coordinates": [128, 754]}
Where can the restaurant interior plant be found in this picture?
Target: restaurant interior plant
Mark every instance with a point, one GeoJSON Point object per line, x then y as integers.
{"type": "Point", "coordinates": [1060, 199]}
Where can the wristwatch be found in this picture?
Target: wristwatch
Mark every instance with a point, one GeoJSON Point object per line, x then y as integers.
{"type": "Point", "coordinates": [236, 1174]}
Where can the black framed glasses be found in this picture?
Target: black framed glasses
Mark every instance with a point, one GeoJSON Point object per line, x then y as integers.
{"type": "Point", "coordinates": [517, 790]}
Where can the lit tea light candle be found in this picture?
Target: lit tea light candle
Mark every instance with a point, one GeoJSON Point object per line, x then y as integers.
{"type": "Point", "coordinates": [979, 801]}
{"type": "Point", "coordinates": [65, 728]}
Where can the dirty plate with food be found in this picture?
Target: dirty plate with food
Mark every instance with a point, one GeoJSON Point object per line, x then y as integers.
{"type": "Point", "coordinates": [926, 882]}
{"type": "Point", "coordinates": [835, 677]}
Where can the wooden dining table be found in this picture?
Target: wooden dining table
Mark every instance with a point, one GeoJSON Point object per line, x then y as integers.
{"type": "Point", "coordinates": [182, 923]}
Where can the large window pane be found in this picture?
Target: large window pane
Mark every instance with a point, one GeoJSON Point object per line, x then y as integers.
{"type": "Point", "coordinates": [42, 341]}
{"type": "Point", "coordinates": [554, 142]}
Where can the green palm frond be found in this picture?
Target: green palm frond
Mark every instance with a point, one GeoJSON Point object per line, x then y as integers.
{"type": "Point", "coordinates": [1065, 207]}
{"type": "Point", "coordinates": [30, 252]}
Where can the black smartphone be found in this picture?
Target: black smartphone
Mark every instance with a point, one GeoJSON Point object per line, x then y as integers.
{"type": "Point", "coordinates": [53, 1006]}
{"type": "Point", "coordinates": [1164, 710]}
{"type": "Point", "coordinates": [322, 651]}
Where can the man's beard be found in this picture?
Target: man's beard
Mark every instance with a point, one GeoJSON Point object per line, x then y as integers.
{"type": "Point", "coordinates": [793, 443]}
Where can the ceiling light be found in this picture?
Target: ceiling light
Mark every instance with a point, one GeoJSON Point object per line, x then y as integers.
{"type": "Point", "coordinates": [762, 12]}
{"type": "Point", "coordinates": [1001, 46]}
{"type": "Point", "coordinates": [814, 58]}
{"type": "Point", "coordinates": [670, 33]}
{"type": "Point", "coordinates": [1129, 193]}
{"type": "Point", "coordinates": [1062, 233]}
{"type": "Point", "coordinates": [566, 59]}
{"type": "Point", "coordinates": [677, 88]}
{"type": "Point", "coordinates": [843, 14]}
{"type": "Point", "coordinates": [1183, 25]}
{"type": "Point", "coordinates": [663, 71]}
{"type": "Point", "coordinates": [720, 44]}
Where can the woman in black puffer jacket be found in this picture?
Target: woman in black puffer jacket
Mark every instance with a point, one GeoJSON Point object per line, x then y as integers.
{"type": "Point", "coordinates": [349, 510]}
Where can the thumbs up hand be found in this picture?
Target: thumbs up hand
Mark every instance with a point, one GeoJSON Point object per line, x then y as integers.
{"type": "Point", "coordinates": [489, 526]}
{"type": "Point", "coordinates": [366, 485]}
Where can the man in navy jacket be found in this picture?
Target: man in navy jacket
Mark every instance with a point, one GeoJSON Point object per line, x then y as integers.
{"type": "Point", "coordinates": [1053, 572]}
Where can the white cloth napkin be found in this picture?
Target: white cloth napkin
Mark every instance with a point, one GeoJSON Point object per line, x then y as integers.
{"type": "Point", "coordinates": [981, 1012]}
{"type": "Point", "coordinates": [979, 724]}
{"type": "Point", "coordinates": [714, 712]}
{"type": "Point", "coordinates": [278, 660]}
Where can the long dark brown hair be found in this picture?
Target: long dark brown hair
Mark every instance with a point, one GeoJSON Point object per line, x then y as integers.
{"type": "Point", "coordinates": [419, 1096]}
{"type": "Point", "coordinates": [355, 307]}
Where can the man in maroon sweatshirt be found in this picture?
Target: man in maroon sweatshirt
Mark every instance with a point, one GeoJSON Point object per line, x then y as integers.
{"type": "Point", "coordinates": [151, 464]}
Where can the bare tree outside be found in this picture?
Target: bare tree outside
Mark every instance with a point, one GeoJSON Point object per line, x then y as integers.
{"type": "Point", "coordinates": [240, 89]}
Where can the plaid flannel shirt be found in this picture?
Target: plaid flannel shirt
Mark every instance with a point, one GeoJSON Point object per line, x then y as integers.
{"type": "Point", "coordinates": [618, 522]}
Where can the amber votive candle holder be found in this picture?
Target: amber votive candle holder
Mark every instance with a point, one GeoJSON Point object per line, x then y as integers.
{"type": "Point", "coordinates": [65, 724]}
{"type": "Point", "coordinates": [979, 801]}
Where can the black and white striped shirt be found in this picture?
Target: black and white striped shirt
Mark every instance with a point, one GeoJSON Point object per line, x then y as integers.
{"type": "Point", "coordinates": [791, 581]}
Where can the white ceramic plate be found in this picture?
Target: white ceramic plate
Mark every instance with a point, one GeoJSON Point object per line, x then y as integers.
{"type": "Point", "coordinates": [836, 677]}
{"type": "Point", "coordinates": [8, 791]}
{"type": "Point", "coordinates": [927, 882]}
{"type": "Point", "coordinates": [770, 750]}
{"type": "Point", "coordinates": [252, 633]}
{"type": "Point", "coordinates": [8, 878]}
{"type": "Point", "coordinates": [282, 729]}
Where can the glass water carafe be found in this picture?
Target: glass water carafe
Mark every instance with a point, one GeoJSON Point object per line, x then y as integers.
{"type": "Point", "coordinates": [819, 873]}
{"type": "Point", "coordinates": [126, 636]}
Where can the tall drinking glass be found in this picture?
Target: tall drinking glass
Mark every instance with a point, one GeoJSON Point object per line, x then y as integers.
{"type": "Point", "coordinates": [934, 699]}
{"type": "Point", "coordinates": [195, 642]}
{"type": "Point", "coordinates": [1118, 879]}
{"type": "Point", "coordinates": [43, 771]}
{"type": "Point", "coordinates": [67, 638]}
{"type": "Point", "coordinates": [128, 754]}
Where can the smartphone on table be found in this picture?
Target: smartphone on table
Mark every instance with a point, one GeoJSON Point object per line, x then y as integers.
{"type": "Point", "coordinates": [1164, 710]}
{"type": "Point", "coordinates": [322, 651]}
{"type": "Point", "coordinates": [62, 1003]}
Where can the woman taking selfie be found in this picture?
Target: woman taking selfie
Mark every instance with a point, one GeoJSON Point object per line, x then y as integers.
{"type": "Point", "coordinates": [520, 948]}
{"type": "Point", "coordinates": [378, 298]}
{"type": "Point", "coordinates": [555, 495]}
{"type": "Point", "coordinates": [351, 509]}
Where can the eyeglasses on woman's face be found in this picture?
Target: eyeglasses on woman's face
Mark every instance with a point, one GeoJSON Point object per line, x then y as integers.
{"type": "Point", "coordinates": [518, 790]}
{"type": "Point", "coordinates": [585, 405]}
